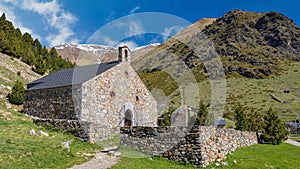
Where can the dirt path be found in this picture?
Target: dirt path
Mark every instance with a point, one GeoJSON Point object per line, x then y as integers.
{"type": "Point", "coordinates": [295, 143]}
{"type": "Point", "coordinates": [100, 161]}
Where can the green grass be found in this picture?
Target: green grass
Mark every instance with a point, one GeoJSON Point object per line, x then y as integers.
{"type": "Point", "coordinates": [147, 163]}
{"type": "Point", "coordinates": [20, 150]}
{"type": "Point", "coordinates": [264, 156]}
{"type": "Point", "coordinates": [257, 156]}
{"type": "Point", "coordinates": [112, 142]}
{"type": "Point", "coordinates": [251, 93]}
{"type": "Point", "coordinates": [254, 93]}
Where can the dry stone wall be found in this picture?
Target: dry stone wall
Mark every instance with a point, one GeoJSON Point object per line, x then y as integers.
{"type": "Point", "coordinates": [199, 146]}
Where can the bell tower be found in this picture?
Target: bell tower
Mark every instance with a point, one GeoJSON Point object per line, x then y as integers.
{"type": "Point", "coordinates": [124, 54]}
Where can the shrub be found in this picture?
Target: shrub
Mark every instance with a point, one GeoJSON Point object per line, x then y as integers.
{"type": "Point", "coordinates": [202, 114]}
{"type": "Point", "coordinates": [241, 121]}
{"type": "Point", "coordinates": [274, 130]}
{"type": "Point", "coordinates": [17, 94]}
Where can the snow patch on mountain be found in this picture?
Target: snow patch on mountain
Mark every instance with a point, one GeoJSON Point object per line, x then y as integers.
{"type": "Point", "coordinates": [97, 49]}
{"type": "Point", "coordinates": [145, 46]}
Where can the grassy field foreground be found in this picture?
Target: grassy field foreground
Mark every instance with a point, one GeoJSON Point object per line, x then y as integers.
{"type": "Point", "coordinates": [20, 150]}
{"type": "Point", "coordinates": [256, 156]}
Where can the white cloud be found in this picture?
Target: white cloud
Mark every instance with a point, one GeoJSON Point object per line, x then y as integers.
{"type": "Point", "coordinates": [54, 15]}
{"type": "Point", "coordinates": [134, 28]}
{"type": "Point", "coordinates": [109, 41]}
{"type": "Point", "coordinates": [168, 32]}
{"type": "Point", "coordinates": [134, 9]}
{"type": "Point", "coordinates": [132, 45]}
{"type": "Point", "coordinates": [63, 34]}
{"type": "Point", "coordinates": [10, 15]}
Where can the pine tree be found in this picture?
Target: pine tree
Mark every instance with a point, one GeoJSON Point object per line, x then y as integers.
{"type": "Point", "coordinates": [17, 94]}
{"type": "Point", "coordinates": [31, 52]}
{"type": "Point", "coordinates": [201, 114]}
{"type": "Point", "coordinates": [241, 122]}
{"type": "Point", "coordinates": [254, 121]}
{"type": "Point", "coordinates": [274, 130]}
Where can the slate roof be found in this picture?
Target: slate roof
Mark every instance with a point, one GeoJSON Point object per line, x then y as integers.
{"type": "Point", "coordinates": [71, 76]}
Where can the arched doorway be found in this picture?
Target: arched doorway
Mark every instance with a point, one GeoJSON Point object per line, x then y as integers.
{"type": "Point", "coordinates": [127, 115]}
{"type": "Point", "coordinates": [128, 118]}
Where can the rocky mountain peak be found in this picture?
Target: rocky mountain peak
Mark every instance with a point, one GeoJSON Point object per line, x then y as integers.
{"type": "Point", "coordinates": [279, 31]}
{"type": "Point", "coordinates": [230, 16]}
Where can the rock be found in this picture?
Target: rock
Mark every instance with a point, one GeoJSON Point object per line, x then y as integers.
{"type": "Point", "coordinates": [117, 153]}
{"type": "Point", "coordinates": [110, 152]}
{"type": "Point", "coordinates": [234, 161]}
{"type": "Point", "coordinates": [218, 164]}
{"type": "Point", "coordinates": [224, 163]}
{"type": "Point", "coordinates": [87, 154]}
{"type": "Point", "coordinates": [8, 105]}
{"type": "Point", "coordinates": [180, 117]}
{"type": "Point", "coordinates": [44, 133]}
{"type": "Point", "coordinates": [66, 145]}
{"type": "Point", "coordinates": [32, 132]}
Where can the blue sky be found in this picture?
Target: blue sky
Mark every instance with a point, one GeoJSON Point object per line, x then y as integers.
{"type": "Point", "coordinates": [82, 21]}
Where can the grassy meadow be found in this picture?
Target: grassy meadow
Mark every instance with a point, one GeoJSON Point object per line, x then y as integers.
{"type": "Point", "coordinates": [20, 150]}
{"type": "Point", "coordinates": [250, 93]}
{"type": "Point", "coordinates": [261, 156]}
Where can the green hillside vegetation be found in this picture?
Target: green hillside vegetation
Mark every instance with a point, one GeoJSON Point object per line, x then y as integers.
{"type": "Point", "coordinates": [263, 156]}
{"type": "Point", "coordinates": [31, 52]}
{"type": "Point", "coordinates": [260, 57]}
{"type": "Point", "coordinates": [256, 156]}
{"type": "Point", "coordinates": [20, 150]}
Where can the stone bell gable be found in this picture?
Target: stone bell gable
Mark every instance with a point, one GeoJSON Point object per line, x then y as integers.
{"type": "Point", "coordinates": [92, 101]}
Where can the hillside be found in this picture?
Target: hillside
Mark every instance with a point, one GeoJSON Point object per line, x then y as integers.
{"type": "Point", "coordinates": [250, 44]}
{"type": "Point", "coordinates": [9, 68]}
{"type": "Point", "coordinates": [83, 54]}
{"type": "Point", "coordinates": [259, 53]}
{"type": "Point", "coordinates": [253, 44]}
{"type": "Point", "coordinates": [30, 51]}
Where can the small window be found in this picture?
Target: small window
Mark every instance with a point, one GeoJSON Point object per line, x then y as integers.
{"type": "Point", "coordinates": [112, 94]}
{"type": "Point", "coordinates": [126, 54]}
{"type": "Point", "coordinates": [137, 99]}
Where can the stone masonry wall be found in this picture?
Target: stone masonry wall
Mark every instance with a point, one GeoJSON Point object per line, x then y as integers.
{"type": "Point", "coordinates": [55, 103]}
{"type": "Point", "coordinates": [55, 107]}
{"type": "Point", "coordinates": [103, 97]}
{"type": "Point", "coordinates": [198, 146]}
{"type": "Point", "coordinates": [93, 110]}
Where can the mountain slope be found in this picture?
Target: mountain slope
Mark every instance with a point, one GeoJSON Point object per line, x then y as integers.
{"type": "Point", "coordinates": [259, 53]}
{"type": "Point", "coordinates": [12, 69]}
{"type": "Point", "coordinates": [91, 53]}
{"type": "Point", "coordinates": [251, 44]}
{"type": "Point", "coordinates": [87, 53]}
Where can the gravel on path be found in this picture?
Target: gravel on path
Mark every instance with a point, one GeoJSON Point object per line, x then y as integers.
{"type": "Point", "coordinates": [100, 161]}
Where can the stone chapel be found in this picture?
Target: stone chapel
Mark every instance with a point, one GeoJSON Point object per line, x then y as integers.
{"type": "Point", "coordinates": [92, 101]}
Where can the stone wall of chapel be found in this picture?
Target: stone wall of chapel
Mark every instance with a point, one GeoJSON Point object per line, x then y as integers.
{"type": "Point", "coordinates": [104, 96]}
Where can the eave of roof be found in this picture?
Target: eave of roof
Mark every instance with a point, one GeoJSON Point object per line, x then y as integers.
{"type": "Point", "coordinates": [71, 76]}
